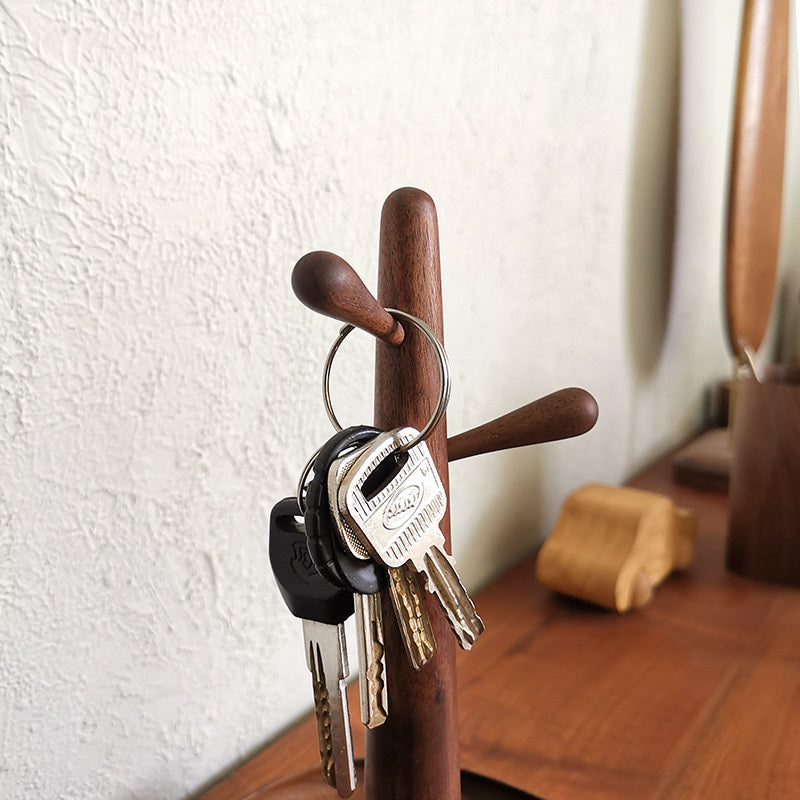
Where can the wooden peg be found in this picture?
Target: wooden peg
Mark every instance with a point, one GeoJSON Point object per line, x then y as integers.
{"type": "Point", "coordinates": [560, 415]}
{"type": "Point", "coordinates": [611, 545]}
{"type": "Point", "coordinates": [327, 284]}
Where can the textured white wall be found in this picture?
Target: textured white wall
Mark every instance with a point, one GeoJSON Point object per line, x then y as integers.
{"type": "Point", "coordinates": [164, 166]}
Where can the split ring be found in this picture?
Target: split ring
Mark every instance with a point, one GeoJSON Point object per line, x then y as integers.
{"type": "Point", "coordinates": [444, 375]}
{"type": "Point", "coordinates": [299, 494]}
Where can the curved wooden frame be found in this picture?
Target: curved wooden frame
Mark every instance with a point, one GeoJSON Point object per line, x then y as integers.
{"type": "Point", "coordinates": [756, 172]}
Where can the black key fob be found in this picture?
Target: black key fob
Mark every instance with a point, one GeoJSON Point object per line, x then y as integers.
{"type": "Point", "coordinates": [327, 552]}
{"type": "Point", "coordinates": [307, 594]}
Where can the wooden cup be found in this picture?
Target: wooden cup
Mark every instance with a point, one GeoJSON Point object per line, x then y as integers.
{"type": "Point", "coordinates": [764, 525]}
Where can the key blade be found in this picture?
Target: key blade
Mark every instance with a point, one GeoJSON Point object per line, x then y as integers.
{"type": "Point", "coordinates": [322, 713]}
{"type": "Point", "coordinates": [326, 655]}
{"type": "Point", "coordinates": [374, 693]}
{"type": "Point", "coordinates": [443, 581]}
{"type": "Point", "coordinates": [408, 602]}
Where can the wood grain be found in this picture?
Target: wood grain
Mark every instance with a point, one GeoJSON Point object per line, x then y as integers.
{"type": "Point", "coordinates": [560, 415]}
{"type": "Point", "coordinates": [694, 697]}
{"type": "Point", "coordinates": [307, 786]}
{"type": "Point", "coordinates": [328, 285]}
{"type": "Point", "coordinates": [764, 539]}
{"type": "Point", "coordinates": [756, 171]}
{"type": "Point", "coordinates": [399, 757]}
{"type": "Point", "coordinates": [754, 208]}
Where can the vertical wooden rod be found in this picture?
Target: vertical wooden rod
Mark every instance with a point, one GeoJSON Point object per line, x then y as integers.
{"type": "Point", "coordinates": [415, 753]}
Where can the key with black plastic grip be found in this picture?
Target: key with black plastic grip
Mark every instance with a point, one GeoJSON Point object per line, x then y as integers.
{"type": "Point", "coordinates": [363, 576]}
{"type": "Point", "coordinates": [323, 608]}
{"type": "Point", "coordinates": [332, 560]}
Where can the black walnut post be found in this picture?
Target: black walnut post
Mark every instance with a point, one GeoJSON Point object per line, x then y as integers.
{"type": "Point", "coordinates": [414, 754]}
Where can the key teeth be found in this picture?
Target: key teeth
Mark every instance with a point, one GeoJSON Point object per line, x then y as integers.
{"type": "Point", "coordinates": [322, 708]}
{"type": "Point", "coordinates": [371, 655]}
{"type": "Point", "coordinates": [418, 638]}
{"type": "Point", "coordinates": [466, 632]}
{"type": "Point", "coordinates": [330, 705]}
{"type": "Point", "coordinates": [460, 611]}
{"type": "Point", "coordinates": [377, 685]}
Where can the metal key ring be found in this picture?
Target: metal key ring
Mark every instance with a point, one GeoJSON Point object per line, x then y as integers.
{"type": "Point", "coordinates": [301, 501]}
{"type": "Point", "coordinates": [444, 376]}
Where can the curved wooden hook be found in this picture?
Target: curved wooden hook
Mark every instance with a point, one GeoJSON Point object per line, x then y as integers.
{"type": "Point", "coordinates": [328, 285]}
{"type": "Point", "coordinates": [560, 415]}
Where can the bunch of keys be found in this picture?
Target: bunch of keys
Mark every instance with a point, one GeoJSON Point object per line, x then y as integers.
{"type": "Point", "coordinates": [371, 522]}
{"type": "Point", "coordinates": [367, 521]}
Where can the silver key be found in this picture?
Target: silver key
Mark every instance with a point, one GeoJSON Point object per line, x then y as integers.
{"type": "Point", "coordinates": [405, 593]}
{"type": "Point", "coordinates": [373, 690]}
{"type": "Point", "coordinates": [395, 504]}
{"type": "Point", "coordinates": [326, 656]}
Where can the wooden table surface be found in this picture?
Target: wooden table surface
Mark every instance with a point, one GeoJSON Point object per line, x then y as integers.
{"type": "Point", "coordinates": [695, 696]}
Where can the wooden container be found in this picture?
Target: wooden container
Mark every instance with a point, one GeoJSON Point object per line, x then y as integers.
{"type": "Point", "coordinates": [764, 525]}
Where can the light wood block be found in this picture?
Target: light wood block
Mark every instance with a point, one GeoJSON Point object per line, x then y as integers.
{"type": "Point", "coordinates": [612, 545]}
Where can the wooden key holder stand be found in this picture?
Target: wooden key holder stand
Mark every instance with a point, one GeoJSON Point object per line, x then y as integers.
{"type": "Point", "coordinates": [414, 754]}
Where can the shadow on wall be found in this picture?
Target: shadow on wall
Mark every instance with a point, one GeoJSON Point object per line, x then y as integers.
{"type": "Point", "coordinates": [651, 214]}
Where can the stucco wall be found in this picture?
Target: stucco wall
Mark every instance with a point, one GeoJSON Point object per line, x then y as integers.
{"type": "Point", "coordinates": [164, 166]}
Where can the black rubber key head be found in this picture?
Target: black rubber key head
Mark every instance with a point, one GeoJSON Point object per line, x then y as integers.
{"type": "Point", "coordinates": [306, 593]}
{"type": "Point", "coordinates": [327, 552]}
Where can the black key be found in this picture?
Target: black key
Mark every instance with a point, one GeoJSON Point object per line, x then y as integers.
{"type": "Point", "coordinates": [323, 609]}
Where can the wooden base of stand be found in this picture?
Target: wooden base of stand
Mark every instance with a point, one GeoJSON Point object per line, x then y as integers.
{"type": "Point", "coordinates": [310, 786]}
